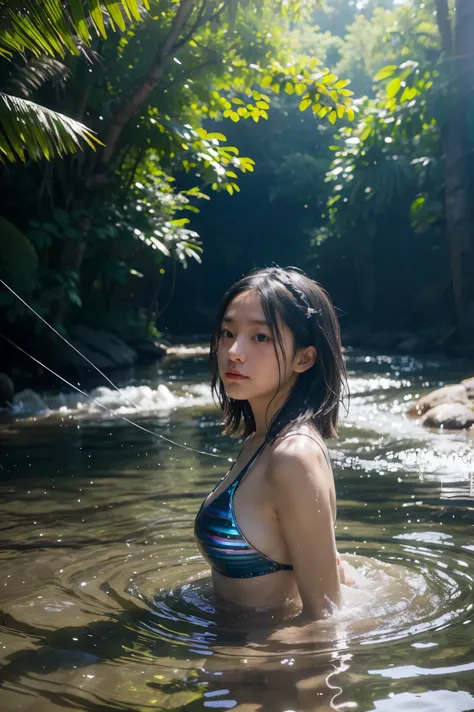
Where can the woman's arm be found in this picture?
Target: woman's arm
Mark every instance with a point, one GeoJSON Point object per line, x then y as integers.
{"type": "Point", "coordinates": [301, 485]}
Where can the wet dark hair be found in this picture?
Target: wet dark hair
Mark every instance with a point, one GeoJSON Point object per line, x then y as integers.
{"type": "Point", "coordinates": [306, 309]}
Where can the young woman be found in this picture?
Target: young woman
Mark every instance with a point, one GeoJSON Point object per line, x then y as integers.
{"type": "Point", "coordinates": [267, 529]}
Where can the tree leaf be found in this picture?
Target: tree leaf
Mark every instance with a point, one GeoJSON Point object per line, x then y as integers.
{"type": "Point", "coordinates": [385, 72]}
{"type": "Point", "coordinates": [180, 222]}
{"type": "Point", "coordinates": [328, 78]}
{"type": "Point", "coordinates": [39, 132]}
{"type": "Point", "coordinates": [393, 87]}
{"type": "Point", "coordinates": [341, 83]}
{"type": "Point", "coordinates": [304, 103]}
{"type": "Point", "coordinates": [51, 27]}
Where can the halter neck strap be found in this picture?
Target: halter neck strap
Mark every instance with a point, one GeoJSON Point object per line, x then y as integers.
{"type": "Point", "coordinates": [249, 463]}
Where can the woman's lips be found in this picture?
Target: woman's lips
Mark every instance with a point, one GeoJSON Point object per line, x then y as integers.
{"type": "Point", "coordinates": [235, 377]}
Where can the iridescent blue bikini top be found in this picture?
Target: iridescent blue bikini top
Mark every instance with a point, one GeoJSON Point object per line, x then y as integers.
{"type": "Point", "coordinates": [221, 541]}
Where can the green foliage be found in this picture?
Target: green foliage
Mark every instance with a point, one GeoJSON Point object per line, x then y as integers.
{"type": "Point", "coordinates": [48, 30]}
{"type": "Point", "coordinates": [148, 94]}
{"type": "Point", "coordinates": [31, 74]}
{"type": "Point", "coordinates": [29, 129]}
{"type": "Point", "coordinates": [386, 155]}
{"type": "Point", "coordinates": [392, 150]}
{"type": "Point", "coordinates": [387, 36]}
{"type": "Point", "coordinates": [52, 27]}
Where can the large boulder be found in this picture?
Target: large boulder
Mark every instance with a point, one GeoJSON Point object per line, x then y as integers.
{"type": "Point", "coordinates": [97, 358]}
{"type": "Point", "coordinates": [108, 345]}
{"type": "Point", "coordinates": [65, 360]}
{"type": "Point", "coordinates": [452, 416]}
{"type": "Point", "coordinates": [148, 350]}
{"type": "Point", "coordinates": [447, 394]}
{"type": "Point", "coordinates": [468, 384]}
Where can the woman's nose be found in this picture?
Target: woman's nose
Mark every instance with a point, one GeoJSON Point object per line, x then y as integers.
{"type": "Point", "coordinates": [236, 351]}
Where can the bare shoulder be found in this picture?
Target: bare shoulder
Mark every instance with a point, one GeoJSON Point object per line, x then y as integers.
{"type": "Point", "coordinates": [300, 454]}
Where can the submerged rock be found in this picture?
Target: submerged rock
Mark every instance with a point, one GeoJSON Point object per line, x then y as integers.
{"type": "Point", "coordinates": [445, 395]}
{"type": "Point", "coordinates": [452, 416]}
{"type": "Point", "coordinates": [28, 401]}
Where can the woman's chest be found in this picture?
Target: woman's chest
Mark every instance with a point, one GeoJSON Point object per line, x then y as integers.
{"type": "Point", "coordinates": [254, 513]}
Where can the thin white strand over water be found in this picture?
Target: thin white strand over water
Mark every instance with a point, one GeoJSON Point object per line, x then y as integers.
{"type": "Point", "coordinates": [71, 385]}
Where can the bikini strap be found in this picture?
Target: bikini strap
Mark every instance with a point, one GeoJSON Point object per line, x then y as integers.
{"type": "Point", "coordinates": [257, 452]}
{"type": "Point", "coordinates": [249, 464]}
{"type": "Point", "coordinates": [325, 453]}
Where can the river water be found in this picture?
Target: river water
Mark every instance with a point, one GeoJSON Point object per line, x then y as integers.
{"type": "Point", "coordinates": [105, 600]}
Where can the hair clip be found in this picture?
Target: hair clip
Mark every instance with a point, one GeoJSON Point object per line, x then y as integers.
{"type": "Point", "coordinates": [310, 311]}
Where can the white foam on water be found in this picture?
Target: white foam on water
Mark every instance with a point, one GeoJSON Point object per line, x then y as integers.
{"type": "Point", "coordinates": [129, 400]}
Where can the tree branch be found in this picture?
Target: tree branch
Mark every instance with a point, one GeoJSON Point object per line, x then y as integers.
{"type": "Point", "coordinates": [444, 25]}
{"type": "Point", "coordinates": [195, 26]}
{"type": "Point", "coordinates": [168, 48]}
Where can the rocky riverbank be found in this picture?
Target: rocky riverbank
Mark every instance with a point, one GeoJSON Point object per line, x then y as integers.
{"type": "Point", "coordinates": [103, 349]}
{"type": "Point", "coordinates": [450, 407]}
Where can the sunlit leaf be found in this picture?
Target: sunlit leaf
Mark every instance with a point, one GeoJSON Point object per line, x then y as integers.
{"type": "Point", "coordinates": [180, 222]}
{"type": "Point", "coordinates": [366, 133]}
{"type": "Point", "coordinates": [30, 129]}
{"type": "Point", "coordinates": [304, 103]}
{"type": "Point", "coordinates": [393, 87]}
{"type": "Point", "coordinates": [52, 27]}
{"type": "Point", "coordinates": [341, 83]}
{"type": "Point", "coordinates": [385, 72]}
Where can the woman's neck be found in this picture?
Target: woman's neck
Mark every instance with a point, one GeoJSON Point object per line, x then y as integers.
{"type": "Point", "coordinates": [264, 410]}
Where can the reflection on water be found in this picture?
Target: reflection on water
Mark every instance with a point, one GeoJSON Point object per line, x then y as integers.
{"type": "Point", "coordinates": [107, 605]}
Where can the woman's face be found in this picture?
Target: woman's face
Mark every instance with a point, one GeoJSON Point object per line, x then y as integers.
{"type": "Point", "coordinates": [246, 355]}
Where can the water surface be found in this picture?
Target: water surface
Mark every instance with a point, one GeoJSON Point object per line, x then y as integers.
{"type": "Point", "coordinates": [105, 600]}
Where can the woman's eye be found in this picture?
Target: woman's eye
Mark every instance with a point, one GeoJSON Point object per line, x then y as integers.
{"type": "Point", "coordinates": [225, 334]}
{"type": "Point", "coordinates": [261, 338]}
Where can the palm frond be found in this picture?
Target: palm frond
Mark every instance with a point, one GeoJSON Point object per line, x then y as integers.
{"type": "Point", "coordinates": [28, 129]}
{"type": "Point", "coordinates": [52, 26]}
{"type": "Point", "coordinates": [28, 77]}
